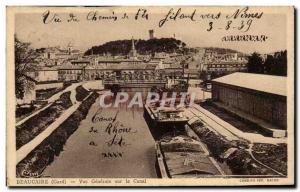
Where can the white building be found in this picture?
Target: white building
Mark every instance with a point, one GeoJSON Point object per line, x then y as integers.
{"type": "Point", "coordinates": [44, 74]}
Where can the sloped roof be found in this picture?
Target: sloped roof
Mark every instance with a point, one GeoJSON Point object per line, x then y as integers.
{"type": "Point", "coordinates": [175, 66]}
{"type": "Point", "coordinates": [265, 83]}
{"type": "Point", "coordinates": [124, 66]}
{"type": "Point", "coordinates": [186, 157]}
{"type": "Point", "coordinates": [230, 62]}
{"type": "Point", "coordinates": [187, 164]}
{"type": "Point", "coordinates": [180, 144]}
{"type": "Point", "coordinates": [80, 61]}
{"type": "Point", "coordinates": [68, 65]}
{"type": "Point", "coordinates": [192, 71]}
{"type": "Point", "coordinates": [46, 68]}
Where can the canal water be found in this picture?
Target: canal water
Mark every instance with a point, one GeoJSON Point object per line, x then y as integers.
{"type": "Point", "coordinates": [109, 143]}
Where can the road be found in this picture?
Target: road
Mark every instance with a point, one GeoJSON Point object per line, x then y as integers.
{"type": "Point", "coordinates": [93, 152]}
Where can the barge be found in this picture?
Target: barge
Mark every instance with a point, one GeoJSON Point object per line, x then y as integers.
{"type": "Point", "coordinates": [184, 157]}
{"type": "Point", "coordinates": [163, 120]}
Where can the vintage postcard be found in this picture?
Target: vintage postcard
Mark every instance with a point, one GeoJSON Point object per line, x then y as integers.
{"type": "Point", "coordinates": [150, 96]}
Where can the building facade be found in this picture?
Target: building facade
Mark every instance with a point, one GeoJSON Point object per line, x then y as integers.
{"type": "Point", "coordinates": [42, 74]}
{"type": "Point", "coordinates": [225, 67]}
{"type": "Point", "coordinates": [70, 72]}
{"type": "Point", "coordinates": [141, 71]}
{"type": "Point", "coordinates": [265, 99]}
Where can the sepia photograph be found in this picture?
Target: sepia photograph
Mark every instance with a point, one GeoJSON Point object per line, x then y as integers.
{"type": "Point", "coordinates": [150, 96]}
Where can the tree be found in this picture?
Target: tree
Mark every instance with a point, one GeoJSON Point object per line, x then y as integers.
{"type": "Point", "coordinates": [255, 64]}
{"type": "Point", "coordinates": [277, 64]}
{"type": "Point", "coordinates": [24, 58]}
{"type": "Point", "coordinates": [280, 64]}
{"type": "Point", "coordinates": [269, 64]}
{"type": "Point", "coordinates": [203, 75]}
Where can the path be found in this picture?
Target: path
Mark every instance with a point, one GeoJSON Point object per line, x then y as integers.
{"type": "Point", "coordinates": [228, 130]}
{"type": "Point", "coordinates": [211, 124]}
{"type": "Point", "coordinates": [28, 147]}
{"type": "Point", "coordinates": [51, 100]}
{"type": "Point", "coordinates": [31, 115]}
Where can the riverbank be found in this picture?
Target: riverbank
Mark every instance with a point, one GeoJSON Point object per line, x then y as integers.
{"type": "Point", "coordinates": [38, 123]}
{"type": "Point", "coordinates": [241, 156]}
{"type": "Point", "coordinates": [43, 155]}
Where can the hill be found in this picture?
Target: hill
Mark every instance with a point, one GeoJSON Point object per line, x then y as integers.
{"type": "Point", "coordinates": [123, 47]}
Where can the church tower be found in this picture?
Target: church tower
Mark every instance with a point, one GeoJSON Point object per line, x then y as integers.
{"type": "Point", "coordinates": [70, 46]}
{"type": "Point", "coordinates": [133, 53]}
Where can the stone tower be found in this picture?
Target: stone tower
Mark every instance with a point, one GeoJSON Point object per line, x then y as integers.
{"type": "Point", "coordinates": [151, 34]}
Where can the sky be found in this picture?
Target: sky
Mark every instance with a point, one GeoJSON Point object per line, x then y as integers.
{"type": "Point", "coordinates": [82, 35]}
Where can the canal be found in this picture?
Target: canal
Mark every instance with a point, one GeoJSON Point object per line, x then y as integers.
{"type": "Point", "coordinates": [109, 143]}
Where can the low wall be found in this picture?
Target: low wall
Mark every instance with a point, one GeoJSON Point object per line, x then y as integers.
{"type": "Point", "coordinates": [41, 86]}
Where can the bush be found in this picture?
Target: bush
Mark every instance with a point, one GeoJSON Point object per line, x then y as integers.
{"type": "Point", "coordinates": [81, 93]}
{"type": "Point", "coordinates": [22, 111]}
{"type": "Point", "coordinates": [216, 144]}
{"type": "Point", "coordinates": [38, 123]}
{"type": "Point", "coordinates": [46, 94]}
{"type": "Point", "coordinates": [65, 99]}
{"type": "Point", "coordinates": [240, 162]}
{"type": "Point", "coordinates": [275, 156]}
